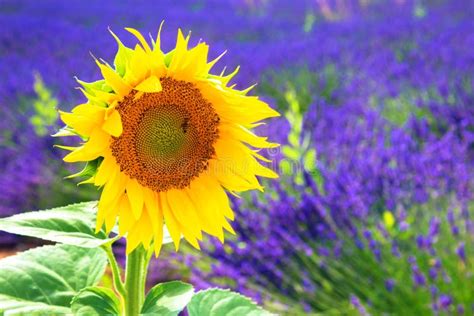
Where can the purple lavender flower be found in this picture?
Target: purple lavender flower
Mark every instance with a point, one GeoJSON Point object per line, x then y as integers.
{"type": "Point", "coordinates": [444, 301]}
{"type": "Point", "coordinates": [418, 277]}
{"type": "Point", "coordinates": [434, 227]}
{"type": "Point", "coordinates": [461, 251]}
{"type": "Point", "coordinates": [358, 305]}
{"type": "Point", "coordinates": [389, 284]}
{"type": "Point", "coordinates": [433, 273]}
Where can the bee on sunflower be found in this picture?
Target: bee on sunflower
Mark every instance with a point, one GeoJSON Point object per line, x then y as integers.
{"type": "Point", "coordinates": [167, 140]}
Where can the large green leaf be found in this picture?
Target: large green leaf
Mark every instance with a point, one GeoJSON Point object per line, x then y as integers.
{"type": "Point", "coordinates": [44, 280]}
{"type": "Point", "coordinates": [95, 301]}
{"type": "Point", "coordinates": [167, 299]}
{"type": "Point", "coordinates": [217, 302]}
{"type": "Point", "coordinates": [72, 224]}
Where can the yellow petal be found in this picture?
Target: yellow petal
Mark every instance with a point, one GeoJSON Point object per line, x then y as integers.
{"type": "Point", "coordinates": [113, 124]}
{"type": "Point", "coordinates": [139, 66]}
{"type": "Point", "coordinates": [159, 234]}
{"type": "Point", "coordinates": [185, 212]}
{"type": "Point", "coordinates": [156, 218]}
{"type": "Point", "coordinates": [135, 195]}
{"type": "Point", "coordinates": [84, 118]}
{"type": "Point", "coordinates": [126, 219]}
{"type": "Point", "coordinates": [220, 198]}
{"type": "Point", "coordinates": [245, 135]}
{"type": "Point", "coordinates": [151, 84]}
{"type": "Point", "coordinates": [113, 190]}
{"type": "Point", "coordinates": [204, 202]}
{"type": "Point", "coordinates": [215, 60]}
{"type": "Point", "coordinates": [114, 80]}
{"type": "Point", "coordinates": [240, 159]}
{"type": "Point", "coordinates": [106, 171]}
{"type": "Point", "coordinates": [140, 37]}
{"type": "Point", "coordinates": [133, 239]}
{"type": "Point", "coordinates": [170, 220]}
{"type": "Point", "coordinates": [100, 220]}
{"type": "Point", "coordinates": [177, 61]}
{"type": "Point", "coordinates": [93, 148]}
{"type": "Point", "coordinates": [158, 38]}
{"type": "Point", "coordinates": [231, 106]}
{"type": "Point", "coordinates": [228, 227]}
{"type": "Point", "coordinates": [230, 178]}
{"type": "Point", "coordinates": [193, 241]}
{"type": "Point", "coordinates": [150, 199]}
{"type": "Point", "coordinates": [146, 229]}
{"type": "Point", "coordinates": [111, 215]}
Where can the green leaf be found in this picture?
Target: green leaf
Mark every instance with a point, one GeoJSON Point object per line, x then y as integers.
{"type": "Point", "coordinates": [95, 301]}
{"type": "Point", "coordinates": [43, 281]}
{"type": "Point", "coordinates": [167, 298]}
{"type": "Point", "coordinates": [291, 153]}
{"type": "Point", "coordinates": [72, 224]}
{"type": "Point", "coordinates": [216, 302]}
{"type": "Point", "coordinates": [309, 160]}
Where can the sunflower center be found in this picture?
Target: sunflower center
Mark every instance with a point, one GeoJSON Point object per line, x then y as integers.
{"type": "Point", "coordinates": [167, 137]}
{"type": "Point", "coordinates": [162, 135]}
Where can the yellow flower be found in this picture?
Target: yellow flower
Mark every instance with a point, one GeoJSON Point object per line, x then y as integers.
{"type": "Point", "coordinates": [169, 139]}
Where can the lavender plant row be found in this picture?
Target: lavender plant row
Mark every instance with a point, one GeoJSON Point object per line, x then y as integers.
{"type": "Point", "coordinates": [384, 92]}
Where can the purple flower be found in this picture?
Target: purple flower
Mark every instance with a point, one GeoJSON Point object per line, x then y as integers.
{"type": "Point", "coordinates": [461, 251]}
{"type": "Point", "coordinates": [418, 277]}
{"type": "Point", "coordinates": [434, 227]}
{"type": "Point", "coordinates": [420, 241]}
{"type": "Point", "coordinates": [358, 305]}
{"type": "Point", "coordinates": [389, 284]}
{"type": "Point", "coordinates": [444, 301]}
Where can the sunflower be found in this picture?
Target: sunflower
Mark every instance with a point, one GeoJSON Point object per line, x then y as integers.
{"type": "Point", "coordinates": [166, 140]}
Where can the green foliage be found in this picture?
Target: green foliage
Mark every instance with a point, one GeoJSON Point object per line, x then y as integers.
{"type": "Point", "coordinates": [62, 279]}
{"type": "Point", "coordinates": [300, 155]}
{"type": "Point", "coordinates": [72, 224]}
{"type": "Point", "coordinates": [309, 20]}
{"type": "Point", "coordinates": [294, 91]}
{"type": "Point", "coordinates": [399, 109]}
{"type": "Point", "coordinates": [37, 282]}
{"type": "Point", "coordinates": [302, 85]}
{"type": "Point", "coordinates": [167, 299]}
{"type": "Point", "coordinates": [95, 301]}
{"type": "Point", "coordinates": [217, 302]}
{"type": "Point", "coordinates": [44, 106]}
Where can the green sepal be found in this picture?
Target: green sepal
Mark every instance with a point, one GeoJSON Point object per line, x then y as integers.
{"type": "Point", "coordinates": [65, 131]}
{"type": "Point", "coordinates": [90, 87]}
{"type": "Point", "coordinates": [89, 170]}
{"type": "Point", "coordinates": [168, 57]}
{"type": "Point", "coordinates": [123, 56]}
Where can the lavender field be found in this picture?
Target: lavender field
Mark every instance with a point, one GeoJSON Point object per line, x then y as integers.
{"type": "Point", "coordinates": [373, 212]}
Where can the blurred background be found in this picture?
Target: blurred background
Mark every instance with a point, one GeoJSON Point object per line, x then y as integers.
{"type": "Point", "coordinates": [373, 212]}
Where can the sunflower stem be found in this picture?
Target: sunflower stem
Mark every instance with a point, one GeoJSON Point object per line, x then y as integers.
{"type": "Point", "coordinates": [117, 279]}
{"type": "Point", "coordinates": [135, 281]}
